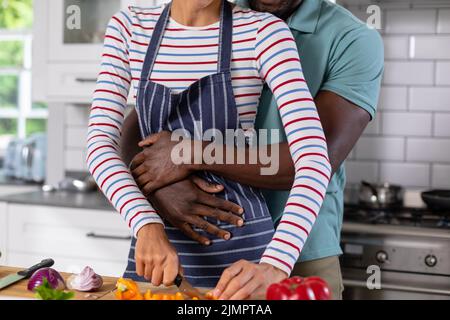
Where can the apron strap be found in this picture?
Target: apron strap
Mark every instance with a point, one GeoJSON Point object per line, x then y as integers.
{"type": "Point", "coordinates": [155, 42]}
{"type": "Point", "coordinates": [225, 40]}
{"type": "Point", "coordinates": [225, 37]}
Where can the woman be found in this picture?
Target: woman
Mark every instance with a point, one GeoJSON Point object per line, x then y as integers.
{"type": "Point", "coordinates": [206, 61]}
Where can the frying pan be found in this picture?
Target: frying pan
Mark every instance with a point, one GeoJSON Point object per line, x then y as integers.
{"type": "Point", "coordinates": [438, 199]}
{"type": "Point", "coordinates": [380, 196]}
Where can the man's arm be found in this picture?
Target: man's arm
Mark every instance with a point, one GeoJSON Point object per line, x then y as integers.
{"type": "Point", "coordinates": [130, 137]}
{"type": "Point", "coordinates": [343, 123]}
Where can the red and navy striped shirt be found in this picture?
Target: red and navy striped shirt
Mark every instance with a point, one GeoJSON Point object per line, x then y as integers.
{"type": "Point", "coordinates": [263, 51]}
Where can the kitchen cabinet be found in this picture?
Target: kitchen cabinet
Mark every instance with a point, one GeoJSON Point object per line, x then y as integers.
{"type": "Point", "coordinates": [74, 238]}
{"type": "Point", "coordinates": [68, 37]}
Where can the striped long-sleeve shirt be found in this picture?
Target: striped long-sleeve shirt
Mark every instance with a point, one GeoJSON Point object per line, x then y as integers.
{"type": "Point", "coordinates": [263, 51]}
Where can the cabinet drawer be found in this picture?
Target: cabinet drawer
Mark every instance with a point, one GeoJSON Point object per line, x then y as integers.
{"type": "Point", "coordinates": [67, 233]}
{"type": "Point", "coordinates": [75, 82]}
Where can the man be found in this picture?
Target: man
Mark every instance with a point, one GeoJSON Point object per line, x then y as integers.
{"type": "Point", "coordinates": [343, 64]}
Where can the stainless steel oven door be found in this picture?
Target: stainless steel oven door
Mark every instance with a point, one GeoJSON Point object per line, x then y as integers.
{"type": "Point", "coordinates": [395, 286]}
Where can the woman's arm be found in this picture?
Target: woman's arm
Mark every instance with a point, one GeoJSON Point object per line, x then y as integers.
{"type": "Point", "coordinates": [279, 65]}
{"type": "Point", "coordinates": [105, 125]}
{"type": "Point", "coordinates": [158, 263]}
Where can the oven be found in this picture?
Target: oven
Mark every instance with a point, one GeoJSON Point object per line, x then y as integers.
{"type": "Point", "coordinates": [406, 256]}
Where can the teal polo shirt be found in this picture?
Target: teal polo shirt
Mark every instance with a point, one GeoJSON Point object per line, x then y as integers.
{"type": "Point", "coordinates": [339, 53]}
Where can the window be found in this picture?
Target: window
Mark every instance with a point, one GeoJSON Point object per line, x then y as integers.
{"type": "Point", "coordinates": [19, 117]}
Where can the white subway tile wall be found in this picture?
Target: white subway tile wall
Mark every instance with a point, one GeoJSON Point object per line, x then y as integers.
{"type": "Point", "coordinates": [393, 98]}
{"type": "Point", "coordinates": [443, 73]}
{"type": "Point", "coordinates": [410, 21]}
{"type": "Point", "coordinates": [440, 176]}
{"type": "Point", "coordinates": [410, 142]}
{"type": "Point", "coordinates": [444, 21]}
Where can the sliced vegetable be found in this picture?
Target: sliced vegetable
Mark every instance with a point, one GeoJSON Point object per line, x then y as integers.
{"type": "Point", "coordinates": [148, 295]}
{"type": "Point", "coordinates": [54, 279]}
{"type": "Point", "coordinates": [87, 280]}
{"type": "Point", "coordinates": [127, 290]}
{"type": "Point", "coordinates": [297, 288]}
{"type": "Point", "coordinates": [46, 292]}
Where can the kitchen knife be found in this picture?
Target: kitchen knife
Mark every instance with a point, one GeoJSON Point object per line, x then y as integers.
{"type": "Point", "coordinates": [24, 274]}
{"type": "Point", "coordinates": [185, 287]}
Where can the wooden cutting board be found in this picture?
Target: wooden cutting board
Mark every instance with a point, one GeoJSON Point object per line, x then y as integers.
{"type": "Point", "coordinates": [19, 289]}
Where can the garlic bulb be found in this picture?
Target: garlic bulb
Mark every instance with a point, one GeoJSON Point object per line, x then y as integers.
{"type": "Point", "coordinates": [87, 280]}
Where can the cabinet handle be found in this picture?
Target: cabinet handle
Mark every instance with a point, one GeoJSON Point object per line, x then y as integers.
{"type": "Point", "coordinates": [106, 236]}
{"type": "Point", "coordinates": [84, 80]}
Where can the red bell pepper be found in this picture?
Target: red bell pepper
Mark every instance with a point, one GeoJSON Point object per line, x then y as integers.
{"type": "Point", "coordinates": [298, 288]}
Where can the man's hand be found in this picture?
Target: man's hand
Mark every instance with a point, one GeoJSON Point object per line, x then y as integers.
{"type": "Point", "coordinates": [153, 168]}
{"type": "Point", "coordinates": [156, 259]}
{"type": "Point", "coordinates": [247, 280]}
{"type": "Point", "coordinates": [185, 204]}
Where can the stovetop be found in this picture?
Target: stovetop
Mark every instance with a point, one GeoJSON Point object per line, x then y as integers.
{"type": "Point", "coordinates": [398, 216]}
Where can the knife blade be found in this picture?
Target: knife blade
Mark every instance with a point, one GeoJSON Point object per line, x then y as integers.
{"type": "Point", "coordinates": [185, 287]}
{"type": "Point", "coordinates": [24, 274]}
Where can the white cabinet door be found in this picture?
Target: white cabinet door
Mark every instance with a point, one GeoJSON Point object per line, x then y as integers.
{"type": "Point", "coordinates": [73, 237]}
{"type": "Point", "coordinates": [77, 28]}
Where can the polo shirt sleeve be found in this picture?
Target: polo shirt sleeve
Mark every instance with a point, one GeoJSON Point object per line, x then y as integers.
{"type": "Point", "coordinates": [356, 67]}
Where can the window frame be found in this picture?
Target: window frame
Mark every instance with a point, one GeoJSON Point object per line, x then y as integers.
{"type": "Point", "coordinates": [24, 110]}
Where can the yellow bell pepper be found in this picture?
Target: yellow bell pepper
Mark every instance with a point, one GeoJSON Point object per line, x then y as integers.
{"type": "Point", "coordinates": [127, 290]}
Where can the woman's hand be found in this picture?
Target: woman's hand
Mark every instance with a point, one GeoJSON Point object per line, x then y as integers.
{"type": "Point", "coordinates": [156, 259]}
{"type": "Point", "coordinates": [153, 168]}
{"type": "Point", "coordinates": [247, 280]}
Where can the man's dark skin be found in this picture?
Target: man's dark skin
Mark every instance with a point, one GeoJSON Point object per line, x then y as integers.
{"type": "Point", "coordinates": [185, 202]}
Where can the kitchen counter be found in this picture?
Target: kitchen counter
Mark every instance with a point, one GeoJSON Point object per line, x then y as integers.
{"type": "Point", "coordinates": [19, 289]}
{"type": "Point", "coordinates": [8, 181]}
{"type": "Point", "coordinates": [91, 200]}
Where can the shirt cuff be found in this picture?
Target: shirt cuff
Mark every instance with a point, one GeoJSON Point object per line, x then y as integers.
{"type": "Point", "coordinates": [144, 218]}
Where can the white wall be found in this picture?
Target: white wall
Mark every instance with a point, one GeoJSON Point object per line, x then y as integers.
{"type": "Point", "coordinates": [409, 141]}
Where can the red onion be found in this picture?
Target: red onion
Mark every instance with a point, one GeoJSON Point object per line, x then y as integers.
{"type": "Point", "coordinates": [87, 280]}
{"type": "Point", "coordinates": [55, 280]}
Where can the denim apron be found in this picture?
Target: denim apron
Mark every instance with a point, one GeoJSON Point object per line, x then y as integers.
{"type": "Point", "coordinates": [209, 102]}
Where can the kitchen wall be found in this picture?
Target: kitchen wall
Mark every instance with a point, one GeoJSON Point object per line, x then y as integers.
{"type": "Point", "coordinates": [409, 141]}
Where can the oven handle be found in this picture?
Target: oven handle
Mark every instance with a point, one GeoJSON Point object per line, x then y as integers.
{"type": "Point", "coordinates": [362, 284]}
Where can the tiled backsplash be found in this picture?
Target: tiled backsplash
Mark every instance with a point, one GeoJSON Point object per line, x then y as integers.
{"type": "Point", "coordinates": [409, 141]}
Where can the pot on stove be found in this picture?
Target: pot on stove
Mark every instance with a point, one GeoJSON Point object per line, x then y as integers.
{"type": "Point", "coordinates": [383, 195]}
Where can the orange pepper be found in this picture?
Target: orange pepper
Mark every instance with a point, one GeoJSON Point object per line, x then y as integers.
{"type": "Point", "coordinates": [148, 295]}
{"type": "Point", "coordinates": [156, 296]}
{"type": "Point", "coordinates": [209, 296]}
{"type": "Point", "coordinates": [179, 296]}
{"type": "Point", "coordinates": [127, 290]}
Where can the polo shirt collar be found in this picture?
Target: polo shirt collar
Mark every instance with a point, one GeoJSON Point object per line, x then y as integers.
{"type": "Point", "coordinates": [306, 17]}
